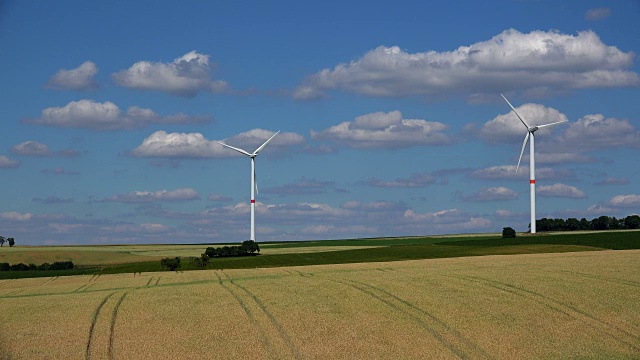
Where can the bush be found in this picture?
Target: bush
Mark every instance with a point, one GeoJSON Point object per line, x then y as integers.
{"type": "Point", "coordinates": [508, 233]}
{"type": "Point", "coordinates": [202, 261]}
{"type": "Point", "coordinates": [170, 263]}
{"type": "Point", "coordinates": [248, 248]}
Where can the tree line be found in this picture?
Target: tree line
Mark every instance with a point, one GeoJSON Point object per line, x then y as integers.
{"type": "Point", "coordinates": [599, 223]}
{"type": "Point", "coordinates": [247, 248]}
{"type": "Point", "coordinates": [58, 265]}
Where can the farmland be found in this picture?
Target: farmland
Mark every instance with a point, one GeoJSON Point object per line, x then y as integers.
{"type": "Point", "coordinates": [581, 304]}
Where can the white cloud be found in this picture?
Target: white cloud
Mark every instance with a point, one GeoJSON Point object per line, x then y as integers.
{"type": "Point", "coordinates": [597, 14]}
{"type": "Point", "coordinates": [185, 76]}
{"type": "Point", "coordinates": [80, 78]}
{"type": "Point", "coordinates": [302, 186]}
{"type": "Point", "coordinates": [218, 198]}
{"type": "Point", "coordinates": [185, 194]}
{"type": "Point", "coordinates": [508, 172]}
{"type": "Point", "coordinates": [613, 181]}
{"type": "Point", "coordinates": [625, 201]}
{"type": "Point", "coordinates": [507, 128]}
{"type": "Point", "coordinates": [492, 194]}
{"type": "Point", "coordinates": [94, 115]}
{"type": "Point", "coordinates": [560, 190]}
{"type": "Point", "coordinates": [444, 221]}
{"type": "Point", "coordinates": [413, 181]}
{"type": "Point", "coordinates": [53, 200]}
{"type": "Point", "coordinates": [15, 216]}
{"type": "Point", "coordinates": [385, 130]}
{"type": "Point", "coordinates": [31, 148]}
{"type": "Point", "coordinates": [559, 158]}
{"type": "Point", "coordinates": [195, 145]}
{"type": "Point", "coordinates": [538, 61]}
{"type": "Point", "coordinates": [6, 163]}
{"type": "Point", "coordinates": [593, 132]}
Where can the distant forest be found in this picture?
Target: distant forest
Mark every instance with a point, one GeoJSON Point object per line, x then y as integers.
{"type": "Point", "coordinates": [599, 223]}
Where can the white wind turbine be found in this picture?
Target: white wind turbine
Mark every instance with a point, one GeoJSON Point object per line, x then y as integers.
{"type": "Point", "coordinates": [254, 183]}
{"type": "Point", "coordinates": [532, 161]}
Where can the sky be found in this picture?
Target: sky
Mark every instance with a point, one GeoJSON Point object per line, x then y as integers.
{"type": "Point", "coordinates": [390, 117]}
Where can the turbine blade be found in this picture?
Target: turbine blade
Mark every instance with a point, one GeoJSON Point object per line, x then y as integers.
{"type": "Point", "coordinates": [234, 148]}
{"type": "Point", "coordinates": [524, 144]}
{"type": "Point", "coordinates": [557, 122]}
{"type": "Point", "coordinates": [514, 110]}
{"type": "Point", "coordinates": [255, 181]}
{"type": "Point", "coordinates": [265, 143]}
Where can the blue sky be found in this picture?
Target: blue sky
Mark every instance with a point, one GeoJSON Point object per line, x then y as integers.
{"type": "Point", "coordinates": [390, 115]}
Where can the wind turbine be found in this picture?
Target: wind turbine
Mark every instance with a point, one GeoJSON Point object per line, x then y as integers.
{"type": "Point", "coordinates": [532, 161]}
{"type": "Point", "coordinates": [254, 183]}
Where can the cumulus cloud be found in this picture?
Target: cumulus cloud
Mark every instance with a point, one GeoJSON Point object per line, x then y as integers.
{"type": "Point", "coordinates": [445, 221]}
{"type": "Point", "coordinates": [538, 61]}
{"type": "Point", "coordinates": [613, 181]}
{"type": "Point", "coordinates": [507, 128]}
{"type": "Point", "coordinates": [196, 146]}
{"type": "Point", "coordinates": [413, 181]}
{"type": "Point", "coordinates": [597, 14]}
{"type": "Point", "coordinates": [625, 201]}
{"type": "Point", "coordinates": [385, 130]}
{"type": "Point", "coordinates": [15, 216]}
{"type": "Point", "coordinates": [80, 78]}
{"type": "Point", "coordinates": [90, 114]}
{"type": "Point", "coordinates": [302, 186]}
{"type": "Point", "coordinates": [560, 190]}
{"type": "Point", "coordinates": [219, 198]}
{"type": "Point", "coordinates": [6, 163]}
{"type": "Point", "coordinates": [508, 172]}
{"type": "Point", "coordinates": [185, 76]}
{"type": "Point", "coordinates": [31, 148]}
{"type": "Point", "coordinates": [184, 194]}
{"type": "Point", "coordinates": [595, 131]}
{"type": "Point", "coordinates": [492, 194]}
{"type": "Point", "coordinates": [53, 200]}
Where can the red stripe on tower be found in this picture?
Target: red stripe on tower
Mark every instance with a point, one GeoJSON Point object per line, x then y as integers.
{"type": "Point", "coordinates": [253, 201]}
{"type": "Point", "coordinates": [532, 181]}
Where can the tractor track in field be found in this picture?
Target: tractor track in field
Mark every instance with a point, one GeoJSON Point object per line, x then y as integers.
{"type": "Point", "coordinates": [612, 331]}
{"type": "Point", "coordinates": [112, 329]}
{"type": "Point", "coordinates": [94, 320]}
{"type": "Point", "coordinates": [109, 345]}
{"type": "Point", "coordinates": [601, 278]}
{"type": "Point", "coordinates": [262, 334]}
{"type": "Point", "coordinates": [48, 280]}
{"type": "Point", "coordinates": [452, 340]}
{"type": "Point", "coordinates": [263, 309]}
{"type": "Point", "coordinates": [5, 282]}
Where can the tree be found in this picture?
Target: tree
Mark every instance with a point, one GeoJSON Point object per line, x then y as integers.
{"type": "Point", "coordinates": [2, 240]}
{"type": "Point", "coordinates": [632, 222]}
{"type": "Point", "coordinates": [600, 223]}
{"type": "Point", "coordinates": [12, 242]}
{"type": "Point", "coordinates": [508, 233]}
{"type": "Point", "coordinates": [171, 264]}
{"type": "Point", "coordinates": [250, 247]}
{"type": "Point", "coordinates": [572, 224]}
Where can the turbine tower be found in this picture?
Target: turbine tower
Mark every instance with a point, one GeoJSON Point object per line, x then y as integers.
{"type": "Point", "coordinates": [254, 183]}
{"type": "Point", "coordinates": [532, 162]}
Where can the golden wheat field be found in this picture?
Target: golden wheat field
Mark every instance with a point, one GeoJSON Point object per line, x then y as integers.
{"type": "Point", "coordinates": [568, 305]}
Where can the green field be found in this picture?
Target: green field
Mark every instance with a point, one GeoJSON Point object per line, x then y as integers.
{"type": "Point", "coordinates": [146, 258]}
{"type": "Point", "coordinates": [563, 305]}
